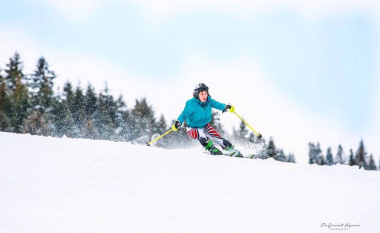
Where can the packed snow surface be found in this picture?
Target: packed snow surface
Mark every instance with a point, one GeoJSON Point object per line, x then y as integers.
{"type": "Point", "coordinates": [66, 185]}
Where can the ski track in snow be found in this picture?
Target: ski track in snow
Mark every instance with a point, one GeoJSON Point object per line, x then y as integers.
{"type": "Point", "coordinates": [66, 185]}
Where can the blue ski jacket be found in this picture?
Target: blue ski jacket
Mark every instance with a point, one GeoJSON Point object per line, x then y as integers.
{"type": "Point", "coordinates": [198, 114]}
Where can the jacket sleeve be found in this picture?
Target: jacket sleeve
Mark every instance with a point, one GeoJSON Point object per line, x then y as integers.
{"type": "Point", "coordinates": [217, 105]}
{"type": "Point", "coordinates": [185, 113]}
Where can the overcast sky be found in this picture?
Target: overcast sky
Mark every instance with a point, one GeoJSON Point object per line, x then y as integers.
{"type": "Point", "coordinates": [295, 70]}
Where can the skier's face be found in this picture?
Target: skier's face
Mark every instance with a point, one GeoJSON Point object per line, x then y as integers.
{"type": "Point", "coordinates": [203, 96]}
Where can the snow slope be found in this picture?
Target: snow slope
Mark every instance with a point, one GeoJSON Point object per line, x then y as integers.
{"type": "Point", "coordinates": [76, 186]}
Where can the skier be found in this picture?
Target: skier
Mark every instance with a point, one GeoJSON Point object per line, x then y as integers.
{"type": "Point", "coordinates": [197, 113]}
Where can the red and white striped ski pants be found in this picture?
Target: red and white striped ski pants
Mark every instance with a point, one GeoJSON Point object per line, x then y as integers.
{"type": "Point", "coordinates": [202, 134]}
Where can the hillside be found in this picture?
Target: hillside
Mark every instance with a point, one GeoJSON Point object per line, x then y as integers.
{"type": "Point", "coordinates": [71, 185]}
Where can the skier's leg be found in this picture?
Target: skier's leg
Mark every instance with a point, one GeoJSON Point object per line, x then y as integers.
{"type": "Point", "coordinates": [199, 134]}
{"type": "Point", "coordinates": [215, 136]}
{"type": "Point", "coordinates": [225, 144]}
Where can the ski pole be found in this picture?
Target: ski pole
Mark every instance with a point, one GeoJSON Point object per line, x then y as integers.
{"type": "Point", "coordinates": [148, 144]}
{"type": "Point", "coordinates": [258, 135]}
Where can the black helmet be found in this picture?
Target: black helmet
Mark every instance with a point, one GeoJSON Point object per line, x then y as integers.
{"type": "Point", "coordinates": [198, 88]}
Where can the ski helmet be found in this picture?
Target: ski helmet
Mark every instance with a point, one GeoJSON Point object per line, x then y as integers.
{"type": "Point", "coordinates": [198, 88]}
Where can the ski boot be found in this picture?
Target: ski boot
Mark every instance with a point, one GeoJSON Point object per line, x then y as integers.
{"type": "Point", "coordinates": [231, 151]}
{"type": "Point", "coordinates": [212, 149]}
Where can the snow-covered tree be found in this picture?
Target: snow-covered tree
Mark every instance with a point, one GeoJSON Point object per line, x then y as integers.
{"type": "Point", "coordinates": [361, 156]}
{"type": "Point", "coordinates": [42, 86]}
{"type": "Point", "coordinates": [351, 159]}
{"type": "Point", "coordinates": [271, 148]}
{"type": "Point", "coordinates": [36, 124]}
{"type": "Point", "coordinates": [280, 156]}
{"type": "Point", "coordinates": [312, 154]}
{"type": "Point", "coordinates": [161, 126]}
{"type": "Point", "coordinates": [340, 157]}
{"type": "Point", "coordinates": [143, 119]}
{"type": "Point", "coordinates": [291, 158]}
{"type": "Point", "coordinates": [319, 155]}
{"type": "Point", "coordinates": [251, 138]}
{"type": "Point", "coordinates": [329, 157]}
{"type": "Point", "coordinates": [371, 164]}
{"type": "Point", "coordinates": [17, 101]}
{"type": "Point", "coordinates": [241, 133]}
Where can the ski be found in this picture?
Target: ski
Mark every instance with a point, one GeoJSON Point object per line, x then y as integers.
{"type": "Point", "coordinates": [251, 156]}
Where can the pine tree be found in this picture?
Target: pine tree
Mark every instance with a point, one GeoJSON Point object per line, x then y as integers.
{"type": "Point", "coordinates": [106, 116]}
{"type": "Point", "coordinates": [143, 119]}
{"type": "Point", "coordinates": [90, 101]}
{"type": "Point", "coordinates": [78, 111]}
{"type": "Point", "coordinates": [68, 93]}
{"type": "Point", "coordinates": [315, 154]}
{"type": "Point", "coordinates": [261, 154]}
{"type": "Point", "coordinates": [126, 123]}
{"type": "Point", "coordinates": [42, 85]}
{"type": "Point", "coordinates": [14, 71]}
{"type": "Point", "coordinates": [329, 157]}
{"type": "Point", "coordinates": [36, 124]}
{"type": "Point", "coordinates": [20, 100]}
{"type": "Point", "coordinates": [161, 125]}
{"type": "Point", "coordinates": [372, 164]}
{"type": "Point", "coordinates": [240, 134]}
{"type": "Point", "coordinates": [122, 117]}
{"type": "Point", "coordinates": [318, 155]}
{"type": "Point", "coordinates": [5, 123]}
{"type": "Point", "coordinates": [3, 93]}
{"type": "Point", "coordinates": [89, 130]}
{"type": "Point", "coordinates": [60, 117]}
{"type": "Point", "coordinates": [84, 114]}
{"type": "Point", "coordinates": [351, 159]}
{"type": "Point", "coordinates": [5, 105]}
{"type": "Point", "coordinates": [340, 158]}
{"type": "Point", "coordinates": [312, 154]}
{"type": "Point", "coordinates": [16, 103]}
{"type": "Point", "coordinates": [271, 149]}
{"type": "Point", "coordinates": [251, 138]}
{"type": "Point", "coordinates": [280, 156]}
{"type": "Point", "coordinates": [290, 158]}
{"type": "Point", "coordinates": [322, 161]}
{"type": "Point", "coordinates": [68, 107]}
{"type": "Point", "coordinates": [361, 156]}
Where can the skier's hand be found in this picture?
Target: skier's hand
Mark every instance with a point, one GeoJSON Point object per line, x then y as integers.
{"type": "Point", "coordinates": [176, 125]}
{"type": "Point", "coordinates": [229, 108]}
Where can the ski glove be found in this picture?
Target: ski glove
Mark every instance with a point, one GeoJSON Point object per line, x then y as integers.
{"type": "Point", "coordinates": [229, 107]}
{"type": "Point", "coordinates": [176, 125]}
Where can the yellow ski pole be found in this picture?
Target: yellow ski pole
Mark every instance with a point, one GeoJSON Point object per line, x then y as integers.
{"type": "Point", "coordinates": [148, 144]}
{"type": "Point", "coordinates": [258, 135]}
